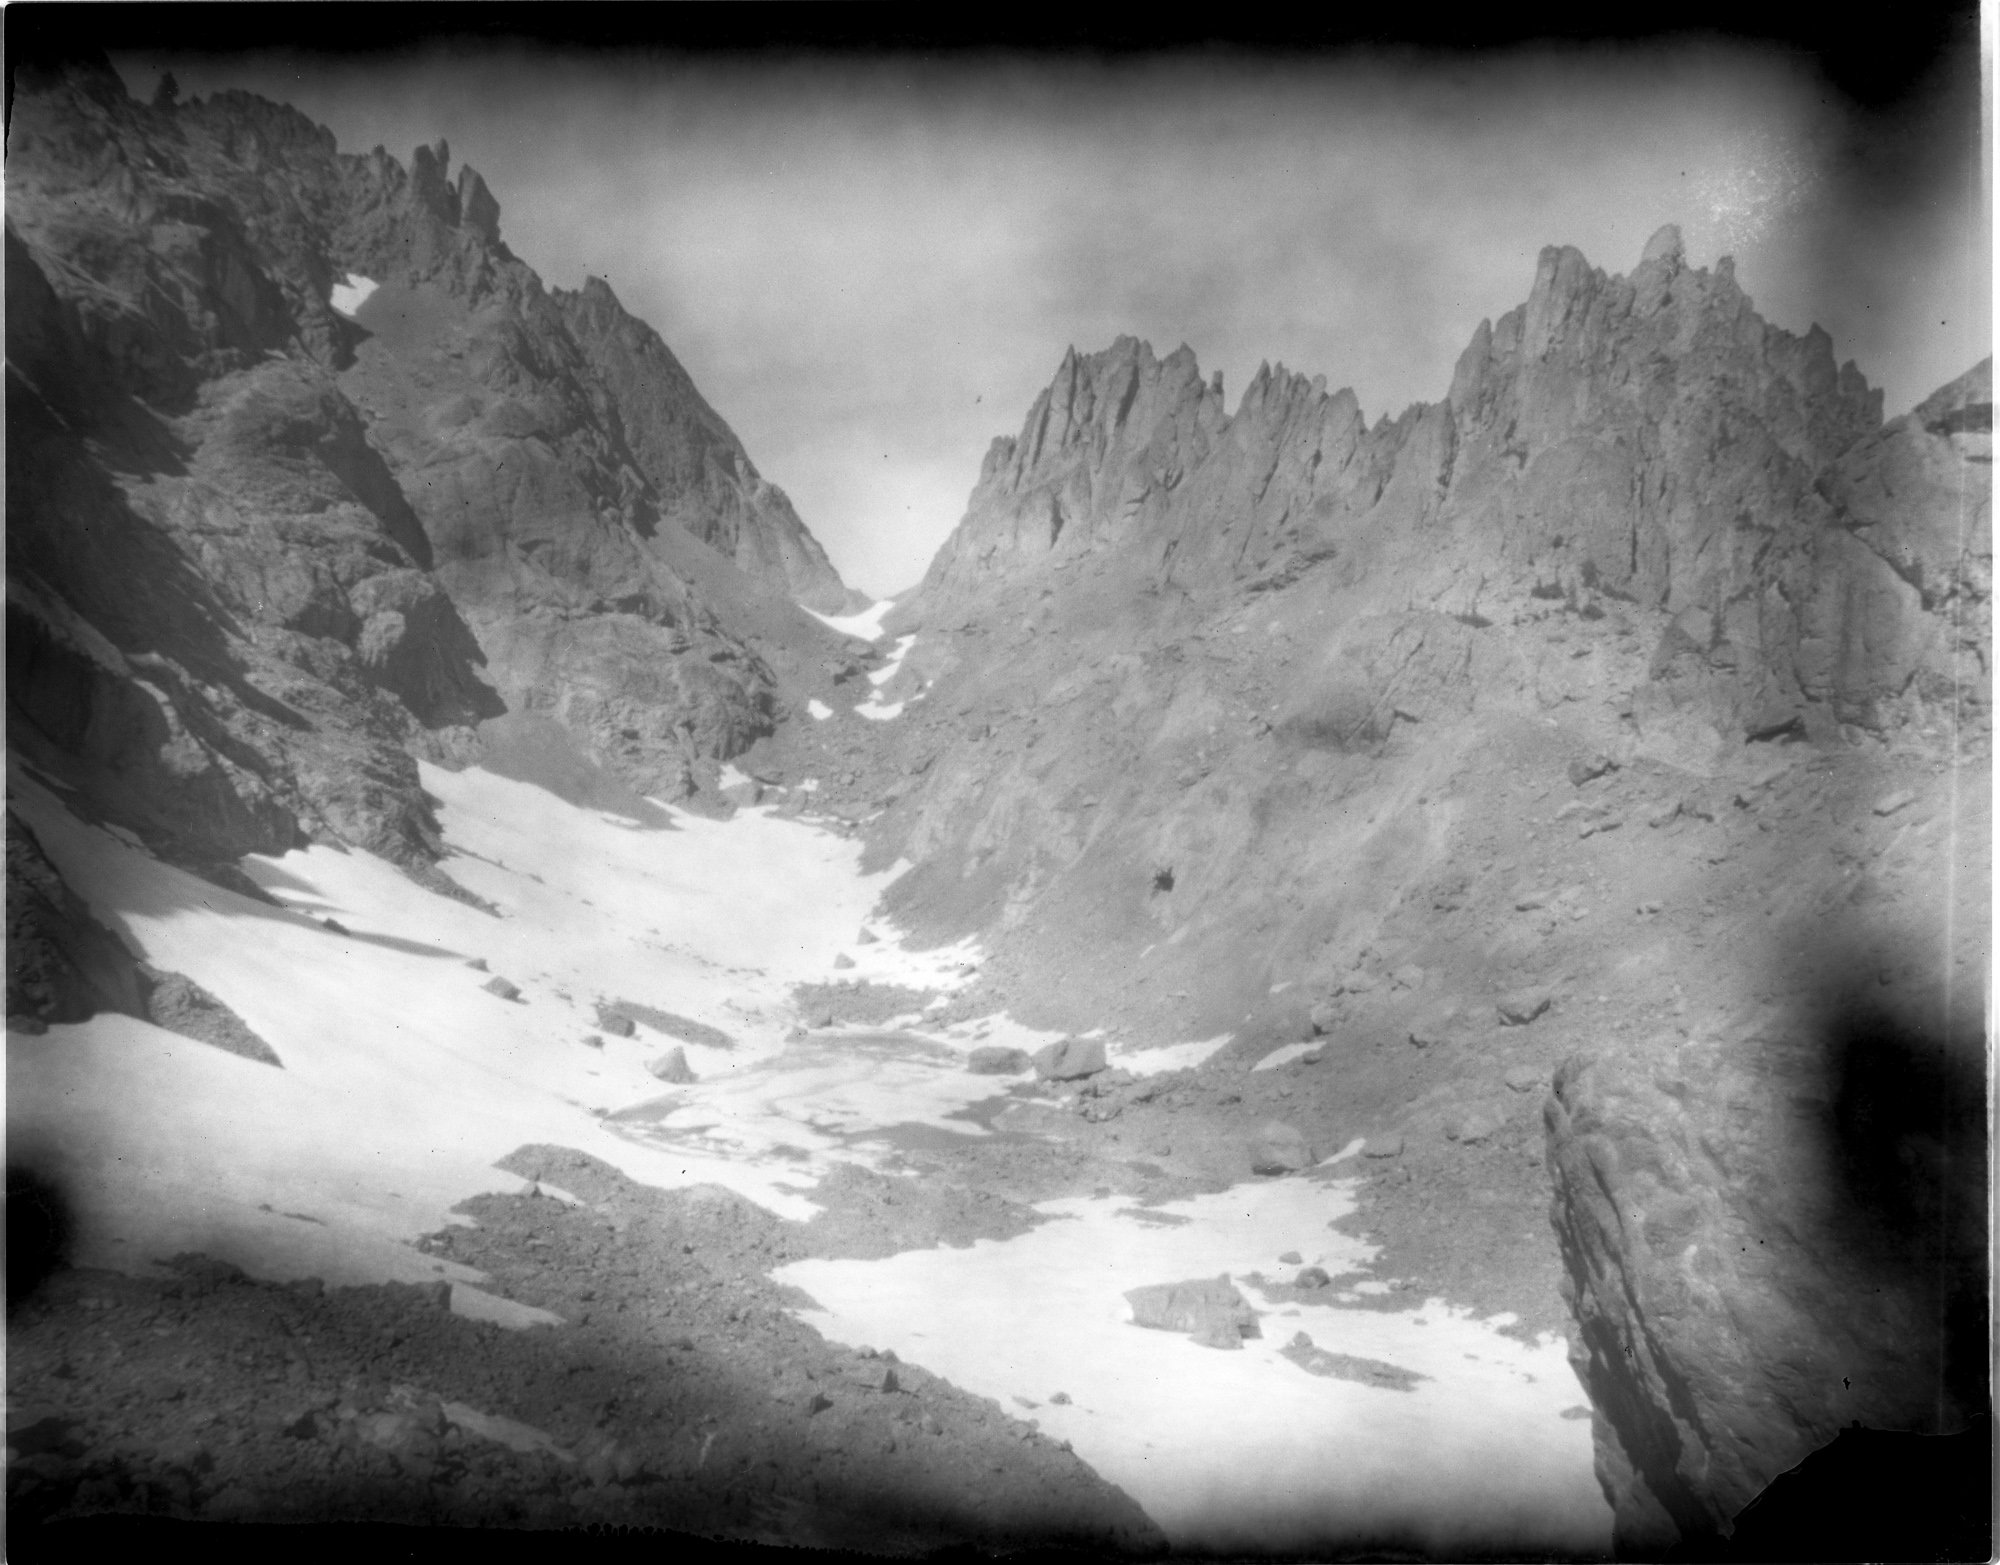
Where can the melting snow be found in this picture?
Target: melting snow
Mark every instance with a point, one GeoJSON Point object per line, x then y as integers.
{"type": "Point", "coordinates": [1243, 1451]}
{"type": "Point", "coordinates": [404, 1082]}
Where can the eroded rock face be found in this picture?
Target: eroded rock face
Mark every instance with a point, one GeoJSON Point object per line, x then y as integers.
{"type": "Point", "coordinates": [261, 551]}
{"type": "Point", "coordinates": [1211, 717]}
{"type": "Point", "coordinates": [1771, 1237]}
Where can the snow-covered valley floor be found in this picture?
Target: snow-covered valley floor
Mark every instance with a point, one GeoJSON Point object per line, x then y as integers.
{"type": "Point", "coordinates": [404, 1081]}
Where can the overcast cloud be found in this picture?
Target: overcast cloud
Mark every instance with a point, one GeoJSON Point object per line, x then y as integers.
{"type": "Point", "coordinates": [872, 267]}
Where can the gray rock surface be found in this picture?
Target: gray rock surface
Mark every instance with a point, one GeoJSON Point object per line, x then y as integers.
{"type": "Point", "coordinates": [1070, 1059]}
{"type": "Point", "coordinates": [260, 553]}
{"type": "Point", "coordinates": [993, 1059]}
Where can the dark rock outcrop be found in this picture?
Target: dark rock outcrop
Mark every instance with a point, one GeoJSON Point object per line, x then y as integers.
{"type": "Point", "coordinates": [65, 966]}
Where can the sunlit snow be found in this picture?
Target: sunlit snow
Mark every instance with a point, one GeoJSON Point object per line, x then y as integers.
{"type": "Point", "coordinates": [348, 297]}
{"type": "Point", "coordinates": [867, 624]}
{"type": "Point", "coordinates": [404, 1081]}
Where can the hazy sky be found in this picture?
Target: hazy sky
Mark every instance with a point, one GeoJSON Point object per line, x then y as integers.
{"type": "Point", "coordinates": [872, 265]}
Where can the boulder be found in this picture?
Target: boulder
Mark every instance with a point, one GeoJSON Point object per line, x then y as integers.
{"type": "Point", "coordinates": [1524, 1078]}
{"type": "Point", "coordinates": [1279, 1148]}
{"type": "Point", "coordinates": [1583, 771]}
{"type": "Point", "coordinates": [616, 1023]}
{"type": "Point", "coordinates": [994, 1059]}
{"type": "Point", "coordinates": [1208, 1306]}
{"type": "Point", "coordinates": [1471, 1127]}
{"type": "Point", "coordinates": [1312, 1277]}
{"type": "Point", "coordinates": [672, 1066]}
{"type": "Point", "coordinates": [1070, 1059]}
{"type": "Point", "coordinates": [1522, 1006]}
{"type": "Point", "coordinates": [1769, 1241]}
{"type": "Point", "coordinates": [1390, 1145]}
{"type": "Point", "coordinates": [865, 938]}
{"type": "Point", "coordinates": [1323, 1017]}
{"type": "Point", "coordinates": [843, 961]}
{"type": "Point", "coordinates": [502, 988]}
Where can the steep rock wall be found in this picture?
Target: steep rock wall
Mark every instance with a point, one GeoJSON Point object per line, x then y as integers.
{"type": "Point", "coordinates": [261, 551]}
{"type": "Point", "coordinates": [1650, 667]}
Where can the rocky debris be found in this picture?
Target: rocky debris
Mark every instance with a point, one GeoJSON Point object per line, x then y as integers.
{"type": "Point", "coordinates": [1346, 1366]}
{"type": "Point", "coordinates": [1279, 1148]}
{"type": "Point", "coordinates": [1589, 769]}
{"type": "Point", "coordinates": [864, 1003]}
{"type": "Point", "coordinates": [672, 1067]}
{"type": "Point", "coordinates": [866, 1215]}
{"type": "Point", "coordinates": [204, 1394]}
{"type": "Point", "coordinates": [1208, 1309]}
{"type": "Point", "coordinates": [1889, 804]}
{"type": "Point", "coordinates": [501, 987]}
{"type": "Point", "coordinates": [1070, 1059]}
{"type": "Point", "coordinates": [619, 1015]}
{"type": "Point", "coordinates": [180, 1005]}
{"type": "Point", "coordinates": [62, 964]}
{"type": "Point", "coordinates": [1522, 1006]}
{"type": "Point", "coordinates": [1471, 1128]}
{"type": "Point", "coordinates": [994, 1059]}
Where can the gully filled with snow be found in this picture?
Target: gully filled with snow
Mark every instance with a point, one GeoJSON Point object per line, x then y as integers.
{"type": "Point", "coordinates": [405, 1078]}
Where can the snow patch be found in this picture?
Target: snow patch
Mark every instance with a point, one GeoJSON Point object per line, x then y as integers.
{"type": "Point", "coordinates": [818, 709]}
{"type": "Point", "coordinates": [1171, 1056]}
{"type": "Point", "coordinates": [867, 625]}
{"type": "Point", "coordinates": [879, 677]}
{"type": "Point", "coordinates": [1242, 1452]}
{"type": "Point", "coordinates": [348, 297]}
{"type": "Point", "coordinates": [1284, 1056]}
{"type": "Point", "coordinates": [876, 711]}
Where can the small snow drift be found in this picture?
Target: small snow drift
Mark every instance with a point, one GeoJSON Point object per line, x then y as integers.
{"type": "Point", "coordinates": [348, 297]}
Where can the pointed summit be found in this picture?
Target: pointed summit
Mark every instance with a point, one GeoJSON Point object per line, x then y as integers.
{"type": "Point", "coordinates": [1665, 245]}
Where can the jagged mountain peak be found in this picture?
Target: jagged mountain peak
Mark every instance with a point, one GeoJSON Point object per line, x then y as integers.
{"type": "Point", "coordinates": [361, 480]}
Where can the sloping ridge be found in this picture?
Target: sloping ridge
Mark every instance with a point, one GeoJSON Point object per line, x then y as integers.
{"type": "Point", "coordinates": [1643, 683]}
{"type": "Point", "coordinates": [261, 552]}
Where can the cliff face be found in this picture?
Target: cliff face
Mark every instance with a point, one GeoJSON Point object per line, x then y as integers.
{"type": "Point", "coordinates": [262, 548]}
{"type": "Point", "coordinates": [1647, 670]}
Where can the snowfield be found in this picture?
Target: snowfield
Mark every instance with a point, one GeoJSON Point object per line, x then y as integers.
{"type": "Point", "coordinates": [404, 1080]}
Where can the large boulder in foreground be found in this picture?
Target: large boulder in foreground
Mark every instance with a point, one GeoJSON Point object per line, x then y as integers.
{"type": "Point", "coordinates": [1770, 1237]}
